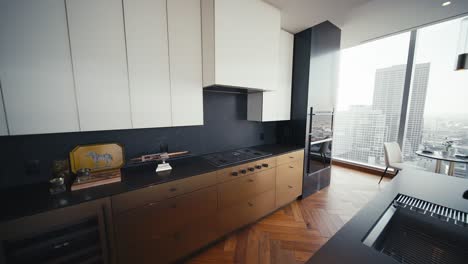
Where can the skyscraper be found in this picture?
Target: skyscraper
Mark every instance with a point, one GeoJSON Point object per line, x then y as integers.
{"type": "Point", "coordinates": [415, 118]}
{"type": "Point", "coordinates": [388, 94]}
{"type": "Point", "coordinates": [359, 134]}
{"type": "Point", "coordinates": [361, 131]}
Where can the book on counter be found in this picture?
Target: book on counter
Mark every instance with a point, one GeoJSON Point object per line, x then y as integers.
{"type": "Point", "coordinates": [97, 179]}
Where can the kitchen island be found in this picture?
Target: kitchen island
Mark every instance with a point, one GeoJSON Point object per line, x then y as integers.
{"type": "Point", "coordinates": [346, 246]}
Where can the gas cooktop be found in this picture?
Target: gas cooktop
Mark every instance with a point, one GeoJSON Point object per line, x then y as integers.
{"type": "Point", "coordinates": [227, 158]}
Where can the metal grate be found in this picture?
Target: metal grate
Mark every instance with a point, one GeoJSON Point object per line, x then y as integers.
{"type": "Point", "coordinates": [406, 244]}
{"type": "Point", "coordinates": [424, 207]}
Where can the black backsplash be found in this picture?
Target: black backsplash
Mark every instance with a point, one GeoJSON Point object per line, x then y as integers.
{"type": "Point", "coordinates": [225, 128]}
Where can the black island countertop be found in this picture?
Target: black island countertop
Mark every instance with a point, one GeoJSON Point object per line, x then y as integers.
{"type": "Point", "coordinates": [33, 199]}
{"type": "Point", "coordinates": [346, 245]}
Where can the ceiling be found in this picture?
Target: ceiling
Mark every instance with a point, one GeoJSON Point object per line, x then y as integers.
{"type": "Point", "coordinates": [297, 15]}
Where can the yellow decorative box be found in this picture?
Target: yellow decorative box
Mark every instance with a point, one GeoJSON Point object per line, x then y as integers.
{"type": "Point", "coordinates": [97, 157]}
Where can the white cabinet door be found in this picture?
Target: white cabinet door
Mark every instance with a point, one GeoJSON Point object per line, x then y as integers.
{"type": "Point", "coordinates": [286, 51]}
{"type": "Point", "coordinates": [275, 105]}
{"type": "Point", "coordinates": [99, 62]}
{"type": "Point", "coordinates": [148, 62]}
{"type": "Point", "coordinates": [246, 36]}
{"type": "Point", "coordinates": [35, 67]}
{"type": "Point", "coordinates": [184, 24]}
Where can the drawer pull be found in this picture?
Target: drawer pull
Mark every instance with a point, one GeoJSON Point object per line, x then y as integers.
{"type": "Point", "coordinates": [234, 173]}
{"type": "Point", "coordinates": [151, 204]}
{"type": "Point", "coordinates": [173, 189]}
{"type": "Point", "coordinates": [251, 180]}
{"type": "Point", "coordinates": [291, 157]}
{"type": "Point", "coordinates": [290, 187]}
{"type": "Point", "coordinates": [292, 167]}
{"type": "Point", "coordinates": [258, 167]}
{"type": "Point", "coordinates": [250, 204]}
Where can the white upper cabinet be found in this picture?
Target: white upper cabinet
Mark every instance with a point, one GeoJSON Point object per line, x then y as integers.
{"type": "Point", "coordinates": [35, 68]}
{"type": "Point", "coordinates": [275, 105]}
{"type": "Point", "coordinates": [286, 51]}
{"type": "Point", "coordinates": [99, 61]}
{"type": "Point", "coordinates": [185, 60]}
{"type": "Point", "coordinates": [240, 43]}
{"type": "Point", "coordinates": [148, 62]}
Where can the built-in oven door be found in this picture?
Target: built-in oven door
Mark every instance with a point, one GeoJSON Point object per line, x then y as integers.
{"type": "Point", "coordinates": [319, 156]}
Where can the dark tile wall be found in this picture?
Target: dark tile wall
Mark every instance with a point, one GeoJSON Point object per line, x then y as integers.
{"type": "Point", "coordinates": [225, 128]}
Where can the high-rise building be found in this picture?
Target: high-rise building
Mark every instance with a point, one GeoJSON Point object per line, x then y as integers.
{"type": "Point", "coordinates": [359, 135]}
{"type": "Point", "coordinates": [361, 131]}
{"type": "Point", "coordinates": [388, 94]}
{"type": "Point", "coordinates": [415, 118]}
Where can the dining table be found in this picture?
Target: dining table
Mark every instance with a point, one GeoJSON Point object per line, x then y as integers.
{"type": "Point", "coordinates": [439, 157]}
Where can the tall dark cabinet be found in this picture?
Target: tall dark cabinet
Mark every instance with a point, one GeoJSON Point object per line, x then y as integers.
{"type": "Point", "coordinates": [315, 79]}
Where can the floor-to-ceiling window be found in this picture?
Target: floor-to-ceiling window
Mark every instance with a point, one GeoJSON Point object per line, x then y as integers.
{"type": "Point", "coordinates": [369, 99]}
{"type": "Point", "coordinates": [371, 90]}
{"type": "Point", "coordinates": [438, 102]}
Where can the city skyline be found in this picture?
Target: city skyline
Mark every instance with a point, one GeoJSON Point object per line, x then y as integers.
{"type": "Point", "coordinates": [361, 131]}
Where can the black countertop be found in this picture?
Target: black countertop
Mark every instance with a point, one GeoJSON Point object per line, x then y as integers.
{"type": "Point", "coordinates": [346, 245]}
{"type": "Point", "coordinates": [32, 199]}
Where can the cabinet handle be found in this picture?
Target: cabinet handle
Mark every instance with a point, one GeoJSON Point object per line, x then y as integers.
{"type": "Point", "coordinates": [251, 180]}
{"type": "Point", "coordinates": [173, 189]}
{"type": "Point", "coordinates": [290, 187]}
{"type": "Point", "coordinates": [291, 157]}
{"type": "Point", "coordinates": [151, 204]}
{"type": "Point", "coordinates": [250, 204]}
{"type": "Point", "coordinates": [292, 167]}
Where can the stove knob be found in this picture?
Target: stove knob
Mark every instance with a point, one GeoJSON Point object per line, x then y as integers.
{"type": "Point", "coordinates": [258, 167]}
{"type": "Point", "coordinates": [265, 165]}
{"type": "Point", "coordinates": [234, 173]}
{"type": "Point", "coordinates": [251, 169]}
{"type": "Point", "coordinates": [243, 171]}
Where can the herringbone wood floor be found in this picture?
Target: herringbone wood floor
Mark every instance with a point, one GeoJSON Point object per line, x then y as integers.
{"type": "Point", "coordinates": [293, 233]}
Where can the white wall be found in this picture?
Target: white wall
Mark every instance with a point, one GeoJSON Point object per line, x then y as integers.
{"type": "Point", "coordinates": [379, 18]}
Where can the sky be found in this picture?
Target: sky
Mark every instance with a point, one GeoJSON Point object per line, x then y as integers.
{"type": "Point", "coordinates": [437, 44]}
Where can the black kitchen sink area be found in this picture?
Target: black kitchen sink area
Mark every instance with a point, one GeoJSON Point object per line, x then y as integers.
{"type": "Point", "coordinates": [417, 218]}
{"type": "Point", "coordinates": [419, 232]}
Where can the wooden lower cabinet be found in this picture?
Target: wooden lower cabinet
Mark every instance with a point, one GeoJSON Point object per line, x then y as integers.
{"type": "Point", "coordinates": [245, 187]}
{"type": "Point", "coordinates": [161, 192]}
{"type": "Point", "coordinates": [246, 211]}
{"type": "Point", "coordinates": [169, 247]}
{"type": "Point", "coordinates": [144, 232]}
{"type": "Point", "coordinates": [288, 182]}
{"type": "Point", "coordinates": [157, 225]}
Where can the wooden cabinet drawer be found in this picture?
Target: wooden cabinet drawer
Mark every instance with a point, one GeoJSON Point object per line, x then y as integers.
{"type": "Point", "coordinates": [172, 246]}
{"type": "Point", "coordinates": [246, 211]}
{"type": "Point", "coordinates": [292, 156]}
{"type": "Point", "coordinates": [159, 218]}
{"type": "Point", "coordinates": [232, 192]}
{"type": "Point", "coordinates": [288, 182]}
{"type": "Point", "coordinates": [160, 192]}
